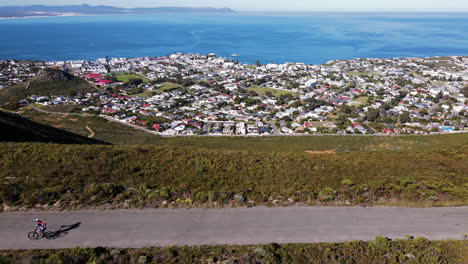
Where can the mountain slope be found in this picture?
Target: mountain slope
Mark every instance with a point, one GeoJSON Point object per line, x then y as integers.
{"type": "Point", "coordinates": [47, 82]}
{"type": "Point", "coordinates": [15, 128]}
{"type": "Point", "coordinates": [42, 10]}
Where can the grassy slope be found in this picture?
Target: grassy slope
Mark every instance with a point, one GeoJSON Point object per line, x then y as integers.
{"type": "Point", "coordinates": [380, 250]}
{"type": "Point", "coordinates": [276, 92]}
{"type": "Point", "coordinates": [381, 170]}
{"type": "Point", "coordinates": [128, 77]}
{"type": "Point", "coordinates": [10, 96]}
{"type": "Point", "coordinates": [168, 86]}
{"type": "Point", "coordinates": [18, 129]}
{"type": "Point", "coordinates": [355, 73]}
{"type": "Point", "coordinates": [119, 134]}
{"type": "Point", "coordinates": [147, 175]}
{"type": "Point", "coordinates": [107, 131]}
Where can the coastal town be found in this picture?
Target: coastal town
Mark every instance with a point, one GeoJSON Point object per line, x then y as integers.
{"type": "Point", "coordinates": [192, 94]}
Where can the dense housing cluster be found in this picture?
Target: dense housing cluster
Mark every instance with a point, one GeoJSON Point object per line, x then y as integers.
{"type": "Point", "coordinates": [190, 94]}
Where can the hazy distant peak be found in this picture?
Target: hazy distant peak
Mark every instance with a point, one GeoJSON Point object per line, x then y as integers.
{"type": "Point", "coordinates": [42, 10]}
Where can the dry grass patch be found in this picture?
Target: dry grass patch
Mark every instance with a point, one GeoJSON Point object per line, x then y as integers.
{"type": "Point", "coordinates": [331, 151]}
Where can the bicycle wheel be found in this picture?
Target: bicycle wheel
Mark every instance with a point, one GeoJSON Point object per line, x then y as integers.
{"type": "Point", "coordinates": [33, 235]}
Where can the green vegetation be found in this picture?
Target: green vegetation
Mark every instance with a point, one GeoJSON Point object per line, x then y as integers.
{"type": "Point", "coordinates": [144, 94]}
{"type": "Point", "coordinates": [166, 86]}
{"type": "Point", "coordinates": [53, 82]}
{"type": "Point", "coordinates": [405, 144]}
{"type": "Point", "coordinates": [439, 83]}
{"type": "Point", "coordinates": [355, 73]}
{"type": "Point", "coordinates": [61, 108]}
{"type": "Point", "coordinates": [15, 128]}
{"type": "Point", "coordinates": [380, 250]}
{"type": "Point", "coordinates": [77, 176]}
{"type": "Point", "coordinates": [119, 134]}
{"type": "Point", "coordinates": [360, 101]}
{"type": "Point", "coordinates": [105, 130]}
{"type": "Point", "coordinates": [275, 92]}
{"type": "Point", "coordinates": [128, 77]}
{"type": "Point", "coordinates": [210, 172]}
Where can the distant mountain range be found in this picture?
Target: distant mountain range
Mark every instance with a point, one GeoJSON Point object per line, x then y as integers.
{"type": "Point", "coordinates": [42, 10]}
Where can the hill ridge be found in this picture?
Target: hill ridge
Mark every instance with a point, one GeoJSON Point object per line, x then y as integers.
{"type": "Point", "coordinates": [19, 129]}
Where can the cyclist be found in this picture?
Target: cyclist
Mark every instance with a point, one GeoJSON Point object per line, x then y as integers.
{"type": "Point", "coordinates": [41, 226]}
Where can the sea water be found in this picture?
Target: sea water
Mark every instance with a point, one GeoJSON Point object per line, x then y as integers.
{"type": "Point", "coordinates": [312, 38]}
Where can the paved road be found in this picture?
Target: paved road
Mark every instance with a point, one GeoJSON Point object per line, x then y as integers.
{"type": "Point", "coordinates": [138, 228]}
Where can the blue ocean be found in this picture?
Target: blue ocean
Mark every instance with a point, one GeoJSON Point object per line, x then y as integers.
{"type": "Point", "coordinates": [312, 38]}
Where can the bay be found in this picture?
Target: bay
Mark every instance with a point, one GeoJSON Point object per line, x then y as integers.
{"type": "Point", "coordinates": [312, 38]}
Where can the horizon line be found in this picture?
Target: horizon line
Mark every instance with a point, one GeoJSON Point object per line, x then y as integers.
{"type": "Point", "coordinates": [260, 11]}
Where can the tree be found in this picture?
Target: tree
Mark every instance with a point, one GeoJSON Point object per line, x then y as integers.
{"type": "Point", "coordinates": [294, 85]}
{"type": "Point", "coordinates": [258, 63]}
{"type": "Point", "coordinates": [112, 78]}
{"type": "Point", "coordinates": [423, 112]}
{"type": "Point", "coordinates": [464, 91]}
{"type": "Point", "coordinates": [135, 81]}
{"type": "Point", "coordinates": [346, 109]}
{"type": "Point", "coordinates": [187, 82]}
{"type": "Point", "coordinates": [405, 118]}
{"type": "Point", "coordinates": [342, 122]}
{"type": "Point", "coordinates": [388, 120]}
{"type": "Point", "coordinates": [380, 92]}
{"type": "Point", "coordinates": [439, 96]}
{"type": "Point", "coordinates": [372, 115]}
{"type": "Point", "coordinates": [385, 107]}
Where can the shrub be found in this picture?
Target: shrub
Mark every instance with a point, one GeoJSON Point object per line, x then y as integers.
{"type": "Point", "coordinates": [142, 259]}
{"type": "Point", "coordinates": [239, 198]}
{"type": "Point", "coordinates": [347, 182]}
{"type": "Point", "coordinates": [380, 243]}
{"type": "Point", "coordinates": [405, 181]}
{"type": "Point", "coordinates": [11, 193]}
{"type": "Point", "coordinates": [327, 194]}
{"type": "Point", "coordinates": [201, 197]}
{"type": "Point", "coordinates": [380, 250]}
{"type": "Point", "coordinates": [77, 175]}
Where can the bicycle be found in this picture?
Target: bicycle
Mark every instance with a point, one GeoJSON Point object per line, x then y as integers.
{"type": "Point", "coordinates": [36, 234]}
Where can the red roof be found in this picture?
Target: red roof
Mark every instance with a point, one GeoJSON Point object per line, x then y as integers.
{"type": "Point", "coordinates": [108, 110]}
{"type": "Point", "coordinates": [94, 75]}
{"type": "Point", "coordinates": [156, 126]}
{"type": "Point", "coordinates": [355, 124]}
{"type": "Point", "coordinates": [387, 130]}
{"type": "Point", "coordinates": [308, 124]}
{"type": "Point", "coordinates": [105, 81]}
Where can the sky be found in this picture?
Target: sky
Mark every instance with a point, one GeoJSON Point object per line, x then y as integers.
{"type": "Point", "coordinates": [276, 5]}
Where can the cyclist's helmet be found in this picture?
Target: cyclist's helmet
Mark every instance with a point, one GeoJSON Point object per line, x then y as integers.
{"type": "Point", "coordinates": [37, 219]}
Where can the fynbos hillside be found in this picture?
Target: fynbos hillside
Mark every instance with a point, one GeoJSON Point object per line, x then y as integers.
{"type": "Point", "coordinates": [46, 82]}
{"type": "Point", "coordinates": [19, 129]}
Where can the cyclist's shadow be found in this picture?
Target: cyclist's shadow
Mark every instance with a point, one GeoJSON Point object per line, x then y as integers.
{"type": "Point", "coordinates": [63, 231]}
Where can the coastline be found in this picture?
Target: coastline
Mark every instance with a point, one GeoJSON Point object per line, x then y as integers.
{"type": "Point", "coordinates": [49, 15]}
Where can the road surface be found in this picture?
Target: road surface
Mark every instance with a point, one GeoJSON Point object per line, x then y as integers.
{"type": "Point", "coordinates": [157, 227]}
